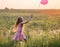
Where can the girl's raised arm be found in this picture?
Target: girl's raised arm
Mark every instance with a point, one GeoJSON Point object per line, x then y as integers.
{"type": "Point", "coordinates": [29, 18]}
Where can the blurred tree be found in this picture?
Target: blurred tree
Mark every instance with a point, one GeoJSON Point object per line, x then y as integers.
{"type": "Point", "coordinates": [6, 8]}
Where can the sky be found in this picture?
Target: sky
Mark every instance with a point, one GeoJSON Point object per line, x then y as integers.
{"type": "Point", "coordinates": [29, 4]}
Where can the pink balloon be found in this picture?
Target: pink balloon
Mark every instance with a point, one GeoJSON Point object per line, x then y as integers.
{"type": "Point", "coordinates": [44, 2]}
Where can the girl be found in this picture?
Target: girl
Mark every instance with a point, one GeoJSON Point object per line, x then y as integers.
{"type": "Point", "coordinates": [18, 26]}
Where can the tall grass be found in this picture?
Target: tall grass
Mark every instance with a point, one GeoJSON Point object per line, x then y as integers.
{"type": "Point", "coordinates": [41, 31]}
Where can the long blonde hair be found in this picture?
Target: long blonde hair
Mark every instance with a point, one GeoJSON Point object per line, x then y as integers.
{"type": "Point", "coordinates": [19, 20]}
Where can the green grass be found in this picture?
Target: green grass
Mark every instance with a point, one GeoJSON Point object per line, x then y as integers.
{"type": "Point", "coordinates": [41, 31]}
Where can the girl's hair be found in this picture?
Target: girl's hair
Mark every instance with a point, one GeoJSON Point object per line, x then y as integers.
{"type": "Point", "coordinates": [19, 20]}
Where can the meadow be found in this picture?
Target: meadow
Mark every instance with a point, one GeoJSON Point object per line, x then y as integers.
{"type": "Point", "coordinates": [41, 31]}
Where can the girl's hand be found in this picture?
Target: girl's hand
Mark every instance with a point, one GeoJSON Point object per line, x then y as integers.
{"type": "Point", "coordinates": [29, 18]}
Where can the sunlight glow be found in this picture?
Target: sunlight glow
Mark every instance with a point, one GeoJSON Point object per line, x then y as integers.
{"type": "Point", "coordinates": [29, 4]}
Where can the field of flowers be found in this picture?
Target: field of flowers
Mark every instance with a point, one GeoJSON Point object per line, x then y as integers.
{"type": "Point", "coordinates": [41, 31]}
